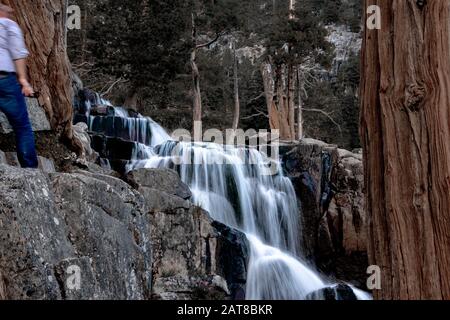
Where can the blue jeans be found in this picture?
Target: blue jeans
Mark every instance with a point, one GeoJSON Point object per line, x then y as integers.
{"type": "Point", "coordinates": [12, 104]}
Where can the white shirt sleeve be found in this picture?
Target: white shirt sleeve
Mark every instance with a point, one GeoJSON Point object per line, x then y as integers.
{"type": "Point", "coordinates": [16, 42]}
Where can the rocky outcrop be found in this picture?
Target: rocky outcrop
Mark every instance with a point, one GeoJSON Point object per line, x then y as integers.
{"type": "Point", "coordinates": [338, 292]}
{"type": "Point", "coordinates": [62, 227]}
{"type": "Point", "coordinates": [37, 116]}
{"type": "Point", "coordinates": [191, 252]}
{"type": "Point", "coordinates": [329, 184]}
{"type": "Point", "coordinates": [87, 235]}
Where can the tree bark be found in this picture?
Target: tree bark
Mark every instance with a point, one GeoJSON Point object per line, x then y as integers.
{"type": "Point", "coordinates": [277, 87]}
{"type": "Point", "coordinates": [405, 128]}
{"type": "Point", "coordinates": [197, 95]}
{"type": "Point", "coordinates": [300, 106]}
{"type": "Point", "coordinates": [236, 90]}
{"type": "Point", "coordinates": [44, 26]}
{"type": "Point", "coordinates": [291, 99]}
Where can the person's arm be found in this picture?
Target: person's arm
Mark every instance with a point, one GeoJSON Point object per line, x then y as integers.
{"type": "Point", "coordinates": [21, 70]}
{"type": "Point", "coordinates": [19, 53]}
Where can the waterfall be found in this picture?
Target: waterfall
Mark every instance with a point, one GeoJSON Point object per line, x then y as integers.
{"type": "Point", "coordinates": [232, 184]}
{"type": "Point", "coordinates": [264, 207]}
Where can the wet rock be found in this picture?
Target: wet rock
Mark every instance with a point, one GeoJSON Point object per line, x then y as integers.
{"type": "Point", "coordinates": [130, 129]}
{"type": "Point", "coordinates": [329, 184]}
{"type": "Point", "coordinates": [194, 257]}
{"type": "Point", "coordinates": [37, 115]}
{"type": "Point", "coordinates": [339, 292]}
{"type": "Point", "coordinates": [114, 148]}
{"type": "Point", "coordinates": [166, 180]}
{"type": "Point", "coordinates": [233, 254]}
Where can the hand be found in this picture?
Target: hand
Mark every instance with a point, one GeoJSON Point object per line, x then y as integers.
{"type": "Point", "coordinates": [27, 89]}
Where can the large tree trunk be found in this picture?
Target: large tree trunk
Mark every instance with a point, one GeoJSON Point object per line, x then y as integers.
{"type": "Point", "coordinates": [405, 120]}
{"type": "Point", "coordinates": [44, 25]}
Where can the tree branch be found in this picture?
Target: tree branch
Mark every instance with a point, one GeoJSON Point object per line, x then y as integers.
{"type": "Point", "coordinates": [326, 114]}
{"type": "Point", "coordinates": [218, 35]}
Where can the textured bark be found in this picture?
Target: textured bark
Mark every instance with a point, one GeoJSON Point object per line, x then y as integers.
{"type": "Point", "coordinates": [300, 86]}
{"type": "Point", "coordinates": [237, 106]}
{"type": "Point", "coordinates": [291, 100]}
{"type": "Point", "coordinates": [406, 135]}
{"type": "Point", "coordinates": [197, 95]}
{"type": "Point", "coordinates": [278, 86]}
{"type": "Point", "coordinates": [43, 23]}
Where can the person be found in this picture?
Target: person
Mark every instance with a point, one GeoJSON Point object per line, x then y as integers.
{"type": "Point", "coordinates": [14, 86]}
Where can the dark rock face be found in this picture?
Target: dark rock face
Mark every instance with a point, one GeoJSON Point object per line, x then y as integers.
{"type": "Point", "coordinates": [339, 292]}
{"type": "Point", "coordinates": [329, 184]}
{"type": "Point", "coordinates": [193, 256]}
{"type": "Point", "coordinates": [233, 254]}
{"type": "Point", "coordinates": [87, 235]}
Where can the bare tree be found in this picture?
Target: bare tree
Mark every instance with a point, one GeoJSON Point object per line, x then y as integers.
{"type": "Point", "coordinates": [236, 88]}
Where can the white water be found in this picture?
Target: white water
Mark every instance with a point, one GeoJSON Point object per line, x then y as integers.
{"type": "Point", "coordinates": [240, 195]}
{"type": "Point", "coordinates": [263, 206]}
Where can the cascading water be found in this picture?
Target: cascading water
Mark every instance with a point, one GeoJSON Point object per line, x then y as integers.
{"type": "Point", "coordinates": [263, 206]}
{"type": "Point", "coordinates": [232, 184]}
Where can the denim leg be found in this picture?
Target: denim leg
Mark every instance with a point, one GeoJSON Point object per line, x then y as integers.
{"type": "Point", "coordinates": [12, 104]}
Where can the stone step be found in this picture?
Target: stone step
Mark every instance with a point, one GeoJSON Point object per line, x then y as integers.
{"type": "Point", "coordinates": [131, 129]}
{"type": "Point", "coordinates": [117, 148]}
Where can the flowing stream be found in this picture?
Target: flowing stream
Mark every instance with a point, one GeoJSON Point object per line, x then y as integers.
{"type": "Point", "coordinates": [231, 183]}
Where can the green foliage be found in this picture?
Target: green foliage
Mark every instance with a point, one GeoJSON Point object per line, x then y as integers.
{"type": "Point", "coordinates": [148, 43]}
{"type": "Point", "coordinates": [144, 42]}
{"type": "Point", "coordinates": [339, 99]}
{"type": "Point", "coordinates": [292, 40]}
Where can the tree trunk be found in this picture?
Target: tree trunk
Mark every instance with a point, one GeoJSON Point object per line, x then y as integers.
{"type": "Point", "coordinates": [197, 95]}
{"type": "Point", "coordinates": [291, 99]}
{"type": "Point", "coordinates": [300, 106]}
{"type": "Point", "coordinates": [44, 26]}
{"type": "Point", "coordinates": [266, 72]}
{"type": "Point", "coordinates": [276, 81]}
{"type": "Point", "coordinates": [132, 98]}
{"type": "Point", "coordinates": [236, 90]}
{"type": "Point", "coordinates": [405, 128]}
